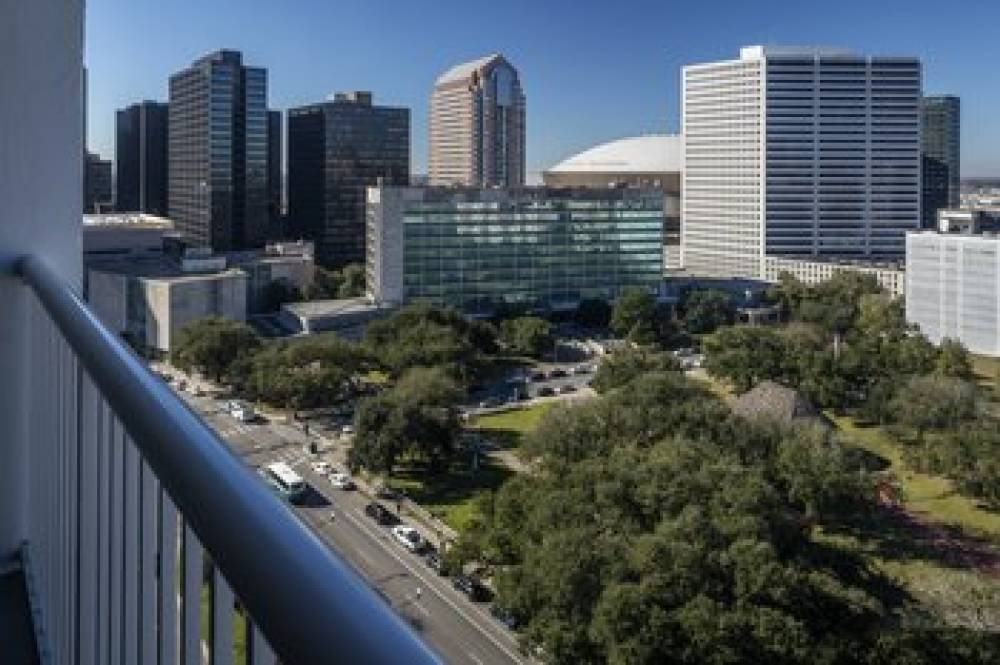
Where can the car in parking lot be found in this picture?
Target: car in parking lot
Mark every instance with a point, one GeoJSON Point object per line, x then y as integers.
{"type": "Point", "coordinates": [557, 373]}
{"type": "Point", "coordinates": [583, 369]}
{"type": "Point", "coordinates": [380, 513]}
{"type": "Point", "coordinates": [567, 388]}
{"type": "Point", "coordinates": [341, 481]}
{"type": "Point", "coordinates": [546, 391]}
{"type": "Point", "coordinates": [408, 537]}
{"type": "Point", "coordinates": [470, 587]}
{"type": "Point", "coordinates": [537, 376]}
{"type": "Point", "coordinates": [388, 493]}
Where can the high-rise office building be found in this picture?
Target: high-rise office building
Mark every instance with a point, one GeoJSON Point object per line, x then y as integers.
{"type": "Point", "coordinates": [217, 165]}
{"type": "Point", "coordinates": [141, 158]}
{"type": "Point", "coordinates": [477, 125]}
{"type": "Point", "coordinates": [799, 153]}
{"type": "Point", "coordinates": [336, 149]}
{"type": "Point", "coordinates": [941, 152]}
{"type": "Point", "coordinates": [97, 184]}
{"type": "Point", "coordinates": [274, 171]}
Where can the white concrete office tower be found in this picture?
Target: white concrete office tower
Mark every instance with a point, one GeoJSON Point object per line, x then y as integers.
{"type": "Point", "coordinates": [477, 125]}
{"type": "Point", "coordinates": [798, 153]}
{"type": "Point", "coordinates": [953, 288]}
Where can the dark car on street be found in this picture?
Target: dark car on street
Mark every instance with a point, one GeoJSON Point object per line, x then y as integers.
{"type": "Point", "coordinates": [380, 513]}
{"type": "Point", "coordinates": [504, 616]}
{"type": "Point", "coordinates": [471, 588]}
{"type": "Point", "coordinates": [434, 561]}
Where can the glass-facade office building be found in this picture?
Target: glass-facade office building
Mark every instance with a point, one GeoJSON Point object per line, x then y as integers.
{"type": "Point", "coordinates": [141, 158]}
{"type": "Point", "coordinates": [218, 153]}
{"type": "Point", "coordinates": [537, 247]}
{"type": "Point", "coordinates": [941, 151]}
{"type": "Point", "coordinates": [336, 150]}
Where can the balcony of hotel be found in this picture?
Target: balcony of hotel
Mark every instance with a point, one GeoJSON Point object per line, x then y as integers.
{"type": "Point", "coordinates": [128, 531]}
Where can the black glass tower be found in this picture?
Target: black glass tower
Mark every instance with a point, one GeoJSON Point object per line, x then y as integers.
{"type": "Point", "coordinates": [940, 141]}
{"type": "Point", "coordinates": [141, 158]}
{"type": "Point", "coordinates": [217, 164]}
{"type": "Point", "coordinates": [336, 150]}
{"type": "Point", "coordinates": [274, 171]}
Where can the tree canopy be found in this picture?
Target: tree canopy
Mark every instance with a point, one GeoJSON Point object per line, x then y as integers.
{"type": "Point", "coordinates": [415, 420]}
{"type": "Point", "coordinates": [527, 336]}
{"type": "Point", "coordinates": [212, 346]}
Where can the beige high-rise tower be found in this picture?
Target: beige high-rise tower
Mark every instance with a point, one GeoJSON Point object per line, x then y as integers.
{"type": "Point", "coordinates": [477, 125]}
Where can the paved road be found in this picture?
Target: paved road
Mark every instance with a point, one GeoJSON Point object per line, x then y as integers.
{"type": "Point", "coordinates": [461, 631]}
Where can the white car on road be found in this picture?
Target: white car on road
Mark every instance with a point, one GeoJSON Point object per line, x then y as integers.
{"type": "Point", "coordinates": [408, 537]}
{"type": "Point", "coordinates": [322, 468]}
{"type": "Point", "coordinates": [341, 481]}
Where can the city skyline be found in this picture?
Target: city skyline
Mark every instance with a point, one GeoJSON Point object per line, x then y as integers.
{"type": "Point", "coordinates": [567, 62]}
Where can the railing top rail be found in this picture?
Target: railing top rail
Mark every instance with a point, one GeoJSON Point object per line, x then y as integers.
{"type": "Point", "coordinates": [310, 604]}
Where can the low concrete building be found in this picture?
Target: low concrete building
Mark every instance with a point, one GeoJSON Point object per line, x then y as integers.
{"type": "Point", "coordinates": [149, 301]}
{"type": "Point", "coordinates": [124, 234]}
{"type": "Point", "coordinates": [347, 317]}
{"type": "Point", "coordinates": [889, 275]}
{"type": "Point", "coordinates": [773, 401]}
{"type": "Point", "coordinates": [290, 264]}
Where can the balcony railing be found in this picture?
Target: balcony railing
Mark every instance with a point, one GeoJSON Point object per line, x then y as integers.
{"type": "Point", "coordinates": [128, 492]}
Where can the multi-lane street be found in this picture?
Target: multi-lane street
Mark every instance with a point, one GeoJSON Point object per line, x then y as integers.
{"type": "Point", "coordinates": [461, 631]}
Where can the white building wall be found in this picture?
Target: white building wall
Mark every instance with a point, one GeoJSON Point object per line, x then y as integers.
{"type": "Point", "coordinates": [953, 289]}
{"type": "Point", "coordinates": [798, 153]}
{"type": "Point", "coordinates": [41, 187]}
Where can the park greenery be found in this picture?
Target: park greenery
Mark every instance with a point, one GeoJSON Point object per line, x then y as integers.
{"type": "Point", "coordinates": [659, 527]}
{"type": "Point", "coordinates": [526, 336]}
{"type": "Point", "coordinates": [348, 282]}
{"type": "Point", "coordinates": [847, 347]}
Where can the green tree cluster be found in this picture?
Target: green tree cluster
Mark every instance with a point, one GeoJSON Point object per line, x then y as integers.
{"type": "Point", "coordinates": [628, 363]}
{"type": "Point", "coordinates": [658, 527]}
{"type": "Point", "coordinates": [213, 346]}
{"type": "Point", "coordinates": [638, 317]}
{"type": "Point", "coordinates": [420, 335]}
{"type": "Point", "coordinates": [527, 336]}
{"type": "Point", "coordinates": [348, 282]}
{"type": "Point", "coordinates": [415, 420]}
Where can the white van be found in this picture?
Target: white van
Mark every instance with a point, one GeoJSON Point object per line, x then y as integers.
{"type": "Point", "coordinates": [242, 412]}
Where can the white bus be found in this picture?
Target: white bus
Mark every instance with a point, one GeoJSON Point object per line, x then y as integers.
{"type": "Point", "coordinates": [281, 477]}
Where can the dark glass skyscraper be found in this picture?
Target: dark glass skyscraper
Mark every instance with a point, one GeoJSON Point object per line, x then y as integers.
{"type": "Point", "coordinates": [336, 149]}
{"type": "Point", "coordinates": [941, 153]}
{"type": "Point", "coordinates": [217, 186]}
{"type": "Point", "coordinates": [141, 158]}
{"type": "Point", "coordinates": [274, 169]}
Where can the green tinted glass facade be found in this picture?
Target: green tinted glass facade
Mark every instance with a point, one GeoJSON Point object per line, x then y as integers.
{"type": "Point", "coordinates": [536, 247]}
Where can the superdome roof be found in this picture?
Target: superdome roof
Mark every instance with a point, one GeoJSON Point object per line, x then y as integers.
{"type": "Point", "coordinates": [654, 153]}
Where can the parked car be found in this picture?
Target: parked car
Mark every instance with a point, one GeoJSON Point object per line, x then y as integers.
{"type": "Point", "coordinates": [567, 388]}
{"type": "Point", "coordinates": [546, 391]}
{"type": "Point", "coordinates": [470, 587]}
{"type": "Point", "coordinates": [243, 412]}
{"type": "Point", "coordinates": [388, 493]}
{"type": "Point", "coordinates": [583, 369]}
{"type": "Point", "coordinates": [434, 561]}
{"type": "Point", "coordinates": [489, 403]}
{"type": "Point", "coordinates": [557, 373]}
{"type": "Point", "coordinates": [408, 537]}
{"type": "Point", "coordinates": [504, 616]}
{"type": "Point", "coordinates": [537, 376]}
{"type": "Point", "coordinates": [380, 513]}
{"type": "Point", "coordinates": [342, 481]}
{"type": "Point", "coordinates": [322, 468]}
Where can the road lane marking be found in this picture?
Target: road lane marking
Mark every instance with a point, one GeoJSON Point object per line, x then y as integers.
{"type": "Point", "coordinates": [474, 658]}
{"type": "Point", "coordinates": [420, 575]}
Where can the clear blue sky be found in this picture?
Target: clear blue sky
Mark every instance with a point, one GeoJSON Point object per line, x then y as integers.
{"type": "Point", "coordinates": [592, 70]}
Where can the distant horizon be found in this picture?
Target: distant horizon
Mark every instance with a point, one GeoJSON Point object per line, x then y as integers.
{"type": "Point", "coordinates": [587, 80]}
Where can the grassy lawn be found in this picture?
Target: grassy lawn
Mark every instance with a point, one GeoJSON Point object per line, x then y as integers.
{"type": "Point", "coordinates": [510, 427]}
{"type": "Point", "coordinates": [956, 596]}
{"type": "Point", "coordinates": [931, 495]}
{"type": "Point", "coordinates": [452, 496]}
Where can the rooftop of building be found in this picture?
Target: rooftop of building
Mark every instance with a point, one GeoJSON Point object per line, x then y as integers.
{"type": "Point", "coordinates": [769, 399]}
{"type": "Point", "coordinates": [162, 268]}
{"type": "Point", "coordinates": [651, 153]}
{"type": "Point", "coordinates": [464, 70]}
{"type": "Point", "coordinates": [119, 220]}
{"type": "Point", "coordinates": [310, 309]}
